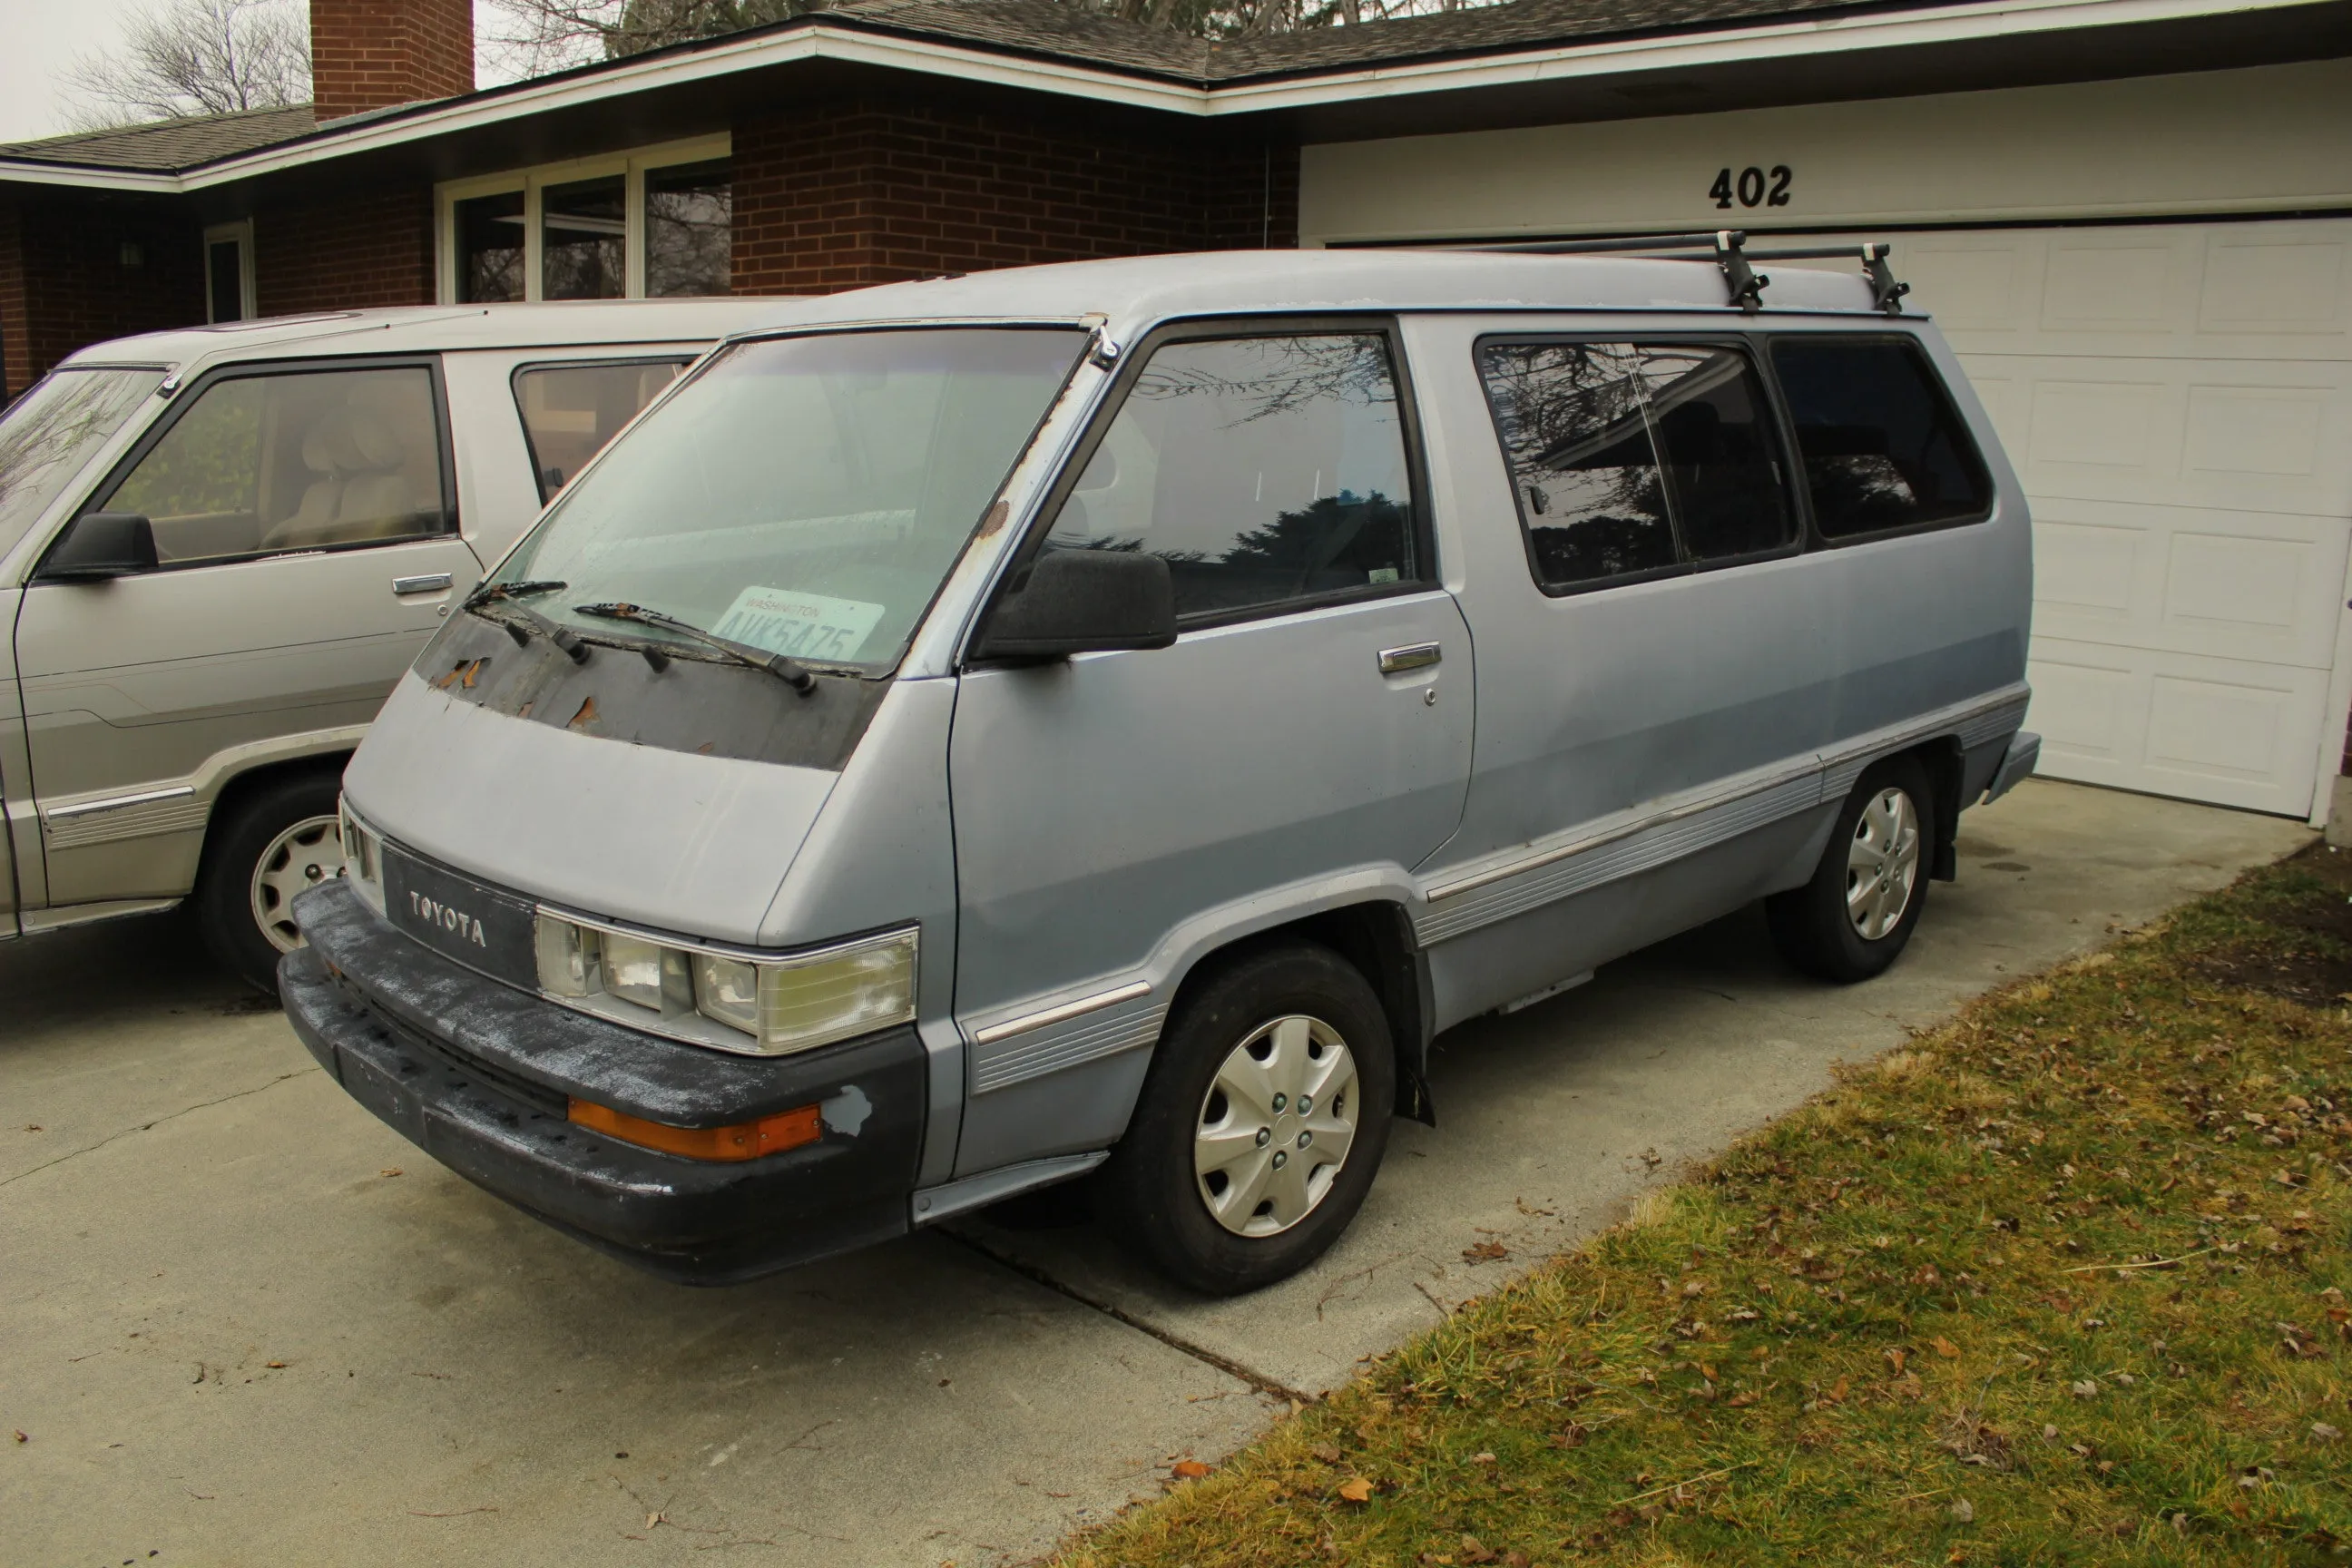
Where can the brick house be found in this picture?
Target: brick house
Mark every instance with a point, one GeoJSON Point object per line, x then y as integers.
{"type": "Point", "coordinates": [2132, 217]}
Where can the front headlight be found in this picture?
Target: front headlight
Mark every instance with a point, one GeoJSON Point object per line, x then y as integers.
{"type": "Point", "coordinates": [735, 1001]}
{"type": "Point", "coordinates": [362, 857]}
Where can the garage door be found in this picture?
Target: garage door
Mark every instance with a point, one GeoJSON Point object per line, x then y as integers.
{"type": "Point", "coordinates": [2178, 399]}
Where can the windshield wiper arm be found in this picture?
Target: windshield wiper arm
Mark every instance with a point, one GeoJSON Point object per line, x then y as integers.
{"type": "Point", "coordinates": [789, 670]}
{"type": "Point", "coordinates": [527, 620]}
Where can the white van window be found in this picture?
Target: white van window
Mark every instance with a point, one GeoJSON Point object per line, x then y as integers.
{"type": "Point", "coordinates": [292, 461]}
{"type": "Point", "coordinates": [56, 426]}
{"type": "Point", "coordinates": [1633, 460]}
{"type": "Point", "coordinates": [1883, 447]}
{"type": "Point", "coordinates": [807, 495]}
{"type": "Point", "coordinates": [1263, 471]}
{"type": "Point", "coordinates": [569, 411]}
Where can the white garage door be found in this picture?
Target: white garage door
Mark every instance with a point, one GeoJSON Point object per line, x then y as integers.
{"type": "Point", "coordinates": [2179, 401]}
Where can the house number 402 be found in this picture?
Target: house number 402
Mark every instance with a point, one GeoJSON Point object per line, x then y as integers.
{"type": "Point", "coordinates": [1752, 186]}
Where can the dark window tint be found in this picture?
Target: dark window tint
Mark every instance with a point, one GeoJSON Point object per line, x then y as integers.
{"type": "Point", "coordinates": [1261, 469]}
{"type": "Point", "coordinates": [1631, 457]}
{"type": "Point", "coordinates": [583, 232]}
{"type": "Point", "coordinates": [1883, 445]}
{"type": "Point", "coordinates": [569, 411]}
{"type": "Point", "coordinates": [689, 235]}
{"type": "Point", "coordinates": [264, 463]}
{"type": "Point", "coordinates": [489, 248]}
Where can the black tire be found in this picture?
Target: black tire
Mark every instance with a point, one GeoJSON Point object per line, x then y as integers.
{"type": "Point", "coordinates": [1150, 1193]}
{"type": "Point", "coordinates": [1812, 925]}
{"type": "Point", "coordinates": [224, 895]}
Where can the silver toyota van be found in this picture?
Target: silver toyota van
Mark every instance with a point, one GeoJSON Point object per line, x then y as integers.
{"type": "Point", "coordinates": [978, 731]}
{"type": "Point", "coordinates": [220, 547]}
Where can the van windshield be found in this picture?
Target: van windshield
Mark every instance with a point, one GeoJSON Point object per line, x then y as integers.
{"type": "Point", "coordinates": [48, 435]}
{"type": "Point", "coordinates": [805, 495]}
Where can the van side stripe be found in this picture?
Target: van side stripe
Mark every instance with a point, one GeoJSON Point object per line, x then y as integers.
{"type": "Point", "coordinates": [1590, 855]}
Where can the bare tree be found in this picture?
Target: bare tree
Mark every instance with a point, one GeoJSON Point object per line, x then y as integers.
{"type": "Point", "coordinates": [194, 57]}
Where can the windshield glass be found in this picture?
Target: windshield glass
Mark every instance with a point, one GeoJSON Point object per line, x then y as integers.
{"type": "Point", "coordinates": [805, 495]}
{"type": "Point", "coordinates": [49, 433]}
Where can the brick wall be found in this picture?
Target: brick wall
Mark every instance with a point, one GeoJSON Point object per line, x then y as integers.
{"type": "Point", "coordinates": [840, 195]}
{"type": "Point", "coordinates": [368, 54]}
{"type": "Point", "coordinates": [63, 282]}
{"type": "Point", "coordinates": [344, 255]}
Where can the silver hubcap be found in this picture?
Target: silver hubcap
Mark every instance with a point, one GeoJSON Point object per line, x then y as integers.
{"type": "Point", "coordinates": [1881, 866]}
{"type": "Point", "coordinates": [305, 855]}
{"type": "Point", "coordinates": [1275, 1126]}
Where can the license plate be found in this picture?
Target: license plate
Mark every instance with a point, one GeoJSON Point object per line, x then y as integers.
{"type": "Point", "coordinates": [462, 918]}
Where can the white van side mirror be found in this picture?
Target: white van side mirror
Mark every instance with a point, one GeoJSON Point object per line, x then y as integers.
{"type": "Point", "coordinates": [99, 546]}
{"type": "Point", "coordinates": [1083, 601]}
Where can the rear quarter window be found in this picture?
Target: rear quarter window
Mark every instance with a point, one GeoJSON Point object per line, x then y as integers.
{"type": "Point", "coordinates": [1882, 447]}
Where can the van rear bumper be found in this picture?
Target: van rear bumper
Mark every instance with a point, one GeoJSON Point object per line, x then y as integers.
{"type": "Point", "coordinates": [2017, 764]}
{"type": "Point", "coordinates": [479, 1075]}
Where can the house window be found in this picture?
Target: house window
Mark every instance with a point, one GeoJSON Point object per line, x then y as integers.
{"type": "Point", "coordinates": [228, 272]}
{"type": "Point", "coordinates": [657, 223]}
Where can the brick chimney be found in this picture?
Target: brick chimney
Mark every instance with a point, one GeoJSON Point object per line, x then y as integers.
{"type": "Point", "coordinates": [371, 54]}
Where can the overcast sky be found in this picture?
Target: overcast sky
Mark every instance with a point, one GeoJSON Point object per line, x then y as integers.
{"type": "Point", "coordinates": [38, 38]}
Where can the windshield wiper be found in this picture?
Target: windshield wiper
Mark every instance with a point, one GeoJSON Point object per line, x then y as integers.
{"type": "Point", "coordinates": [529, 620]}
{"type": "Point", "coordinates": [788, 670]}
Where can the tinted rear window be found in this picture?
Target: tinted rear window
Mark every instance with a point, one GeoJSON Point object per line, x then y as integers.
{"type": "Point", "coordinates": [1882, 447]}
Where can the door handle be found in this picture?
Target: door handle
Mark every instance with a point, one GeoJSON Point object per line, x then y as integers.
{"type": "Point", "coordinates": [431, 582]}
{"type": "Point", "coordinates": [1415, 656]}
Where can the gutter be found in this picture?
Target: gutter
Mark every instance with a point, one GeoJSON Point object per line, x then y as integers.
{"type": "Point", "coordinates": [823, 35]}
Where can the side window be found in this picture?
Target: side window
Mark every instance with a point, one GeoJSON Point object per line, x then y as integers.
{"type": "Point", "coordinates": [1261, 469]}
{"type": "Point", "coordinates": [569, 411]}
{"type": "Point", "coordinates": [1635, 458]}
{"type": "Point", "coordinates": [1883, 448]}
{"type": "Point", "coordinates": [295, 460]}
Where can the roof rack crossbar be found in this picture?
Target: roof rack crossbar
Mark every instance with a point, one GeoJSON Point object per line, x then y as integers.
{"type": "Point", "coordinates": [1728, 248]}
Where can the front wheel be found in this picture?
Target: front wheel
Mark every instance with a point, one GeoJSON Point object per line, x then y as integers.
{"type": "Point", "coordinates": [281, 840]}
{"type": "Point", "coordinates": [1261, 1125]}
{"type": "Point", "coordinates": [1857, 913]}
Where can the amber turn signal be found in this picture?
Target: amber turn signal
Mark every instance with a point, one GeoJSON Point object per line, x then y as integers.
{"type": "Point", "coordinates": [744, 1140]}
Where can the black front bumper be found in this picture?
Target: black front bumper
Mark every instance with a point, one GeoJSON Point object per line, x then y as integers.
{"type": "Point", "coordinates": [478, 1074]}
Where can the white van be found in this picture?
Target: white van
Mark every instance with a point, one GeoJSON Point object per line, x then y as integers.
{"type": "Point", "coordinates": [219, 548]}
{"type": "Point", "coordinates": [978, 732]}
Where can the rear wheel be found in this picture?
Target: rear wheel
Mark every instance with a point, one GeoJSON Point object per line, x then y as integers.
{"type": "Point", "coordinates": [1856, 915]}
{"type": "Point", "coordinates": [278, 841]}
{"type": "Point", "coordinates": [1261, 1125]}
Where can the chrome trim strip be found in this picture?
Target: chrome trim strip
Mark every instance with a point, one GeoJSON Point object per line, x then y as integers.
{"type": "Point", "coordinates": [720, 949]}
{"type": "Point", "coordinates": [1834, 770]}
{"type": "Point", "coordinates": [1063, 1014]}
{"type": "Point", "coordinates": [116, 802]}
{"type": "Point", "coordinates": [40, 922]}
{"type": "Point", "coordinates": [950, 1198]}
{"type": "Point", "coordinates": [1415, 656]}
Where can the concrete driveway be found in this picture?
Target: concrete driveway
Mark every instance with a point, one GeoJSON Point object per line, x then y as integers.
{"type": "Point", "coordinates": [240, 1321]}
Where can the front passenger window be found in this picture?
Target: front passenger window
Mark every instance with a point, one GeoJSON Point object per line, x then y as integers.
{"type": "Point", "coordinates": [1262, 469]}
{"type": "Point", "coordinates": [293, 460]}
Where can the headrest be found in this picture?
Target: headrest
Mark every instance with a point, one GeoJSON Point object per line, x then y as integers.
{"type": "Point", "coordinates": [317, 454]}
{"type": "Point", "coordinates": [359, 443]}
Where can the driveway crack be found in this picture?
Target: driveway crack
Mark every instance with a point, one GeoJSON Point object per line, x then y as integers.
{"type": "Point", "coordinates": [148, 1126]}
{"type": "Point", "coordinates": [1175, 1341]}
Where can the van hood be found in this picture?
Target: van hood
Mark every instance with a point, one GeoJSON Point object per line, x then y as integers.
{"type": "Point", "coordinates": [692, 844]}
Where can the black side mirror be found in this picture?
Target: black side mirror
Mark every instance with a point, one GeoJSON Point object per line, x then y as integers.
{"type": "Point", "coordinates": [99, 546]}
{"type": "Point", "coordinates": [1084, 601]}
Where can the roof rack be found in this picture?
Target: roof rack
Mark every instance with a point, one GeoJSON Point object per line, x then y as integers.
{"type": "Point", "coordinates": [1728, 248]}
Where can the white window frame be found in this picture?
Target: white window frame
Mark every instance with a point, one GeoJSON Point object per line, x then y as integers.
{"type": "Point", "coordinates": [532, 182]}
{"type": "Point", "coordinates": [241, 232]}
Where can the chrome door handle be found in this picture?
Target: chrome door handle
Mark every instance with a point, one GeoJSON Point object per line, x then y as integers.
{"type": "Point", "coordinates": [432, 582]}
{"type": "Point", "coordinates": [1415, 656]}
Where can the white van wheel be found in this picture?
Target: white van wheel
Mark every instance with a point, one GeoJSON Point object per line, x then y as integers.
{"type": "Point", "coordinates": [275, 841]}
{"type": "Point", "coordinates": [305, 855]}
{"type": "Point", "coordinates": [1275, 1126]}
{"type": "Point", "coordinates": [1223, 1180]}
{"type": "Point", "coordinates": [1882, 863]}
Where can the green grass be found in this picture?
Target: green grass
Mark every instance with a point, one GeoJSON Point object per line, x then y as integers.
{"type": "Point", "coordinates": [2063, 1282]}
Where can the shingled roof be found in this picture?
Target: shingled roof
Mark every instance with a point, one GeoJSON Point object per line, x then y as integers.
{"type": "Point", "coordinates": [164, 145]}
{"type": "Point", "coordinates": [1038, 28]}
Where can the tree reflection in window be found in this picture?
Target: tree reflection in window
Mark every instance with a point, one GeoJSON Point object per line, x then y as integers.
{"type": "Point", "coordinates": [1262, 469]}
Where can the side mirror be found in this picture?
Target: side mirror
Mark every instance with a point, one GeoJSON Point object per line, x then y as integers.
{"type": "Point", "coordinates": [99, 546]}
{"type": "Point", "coordinates": [1084, 601]}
